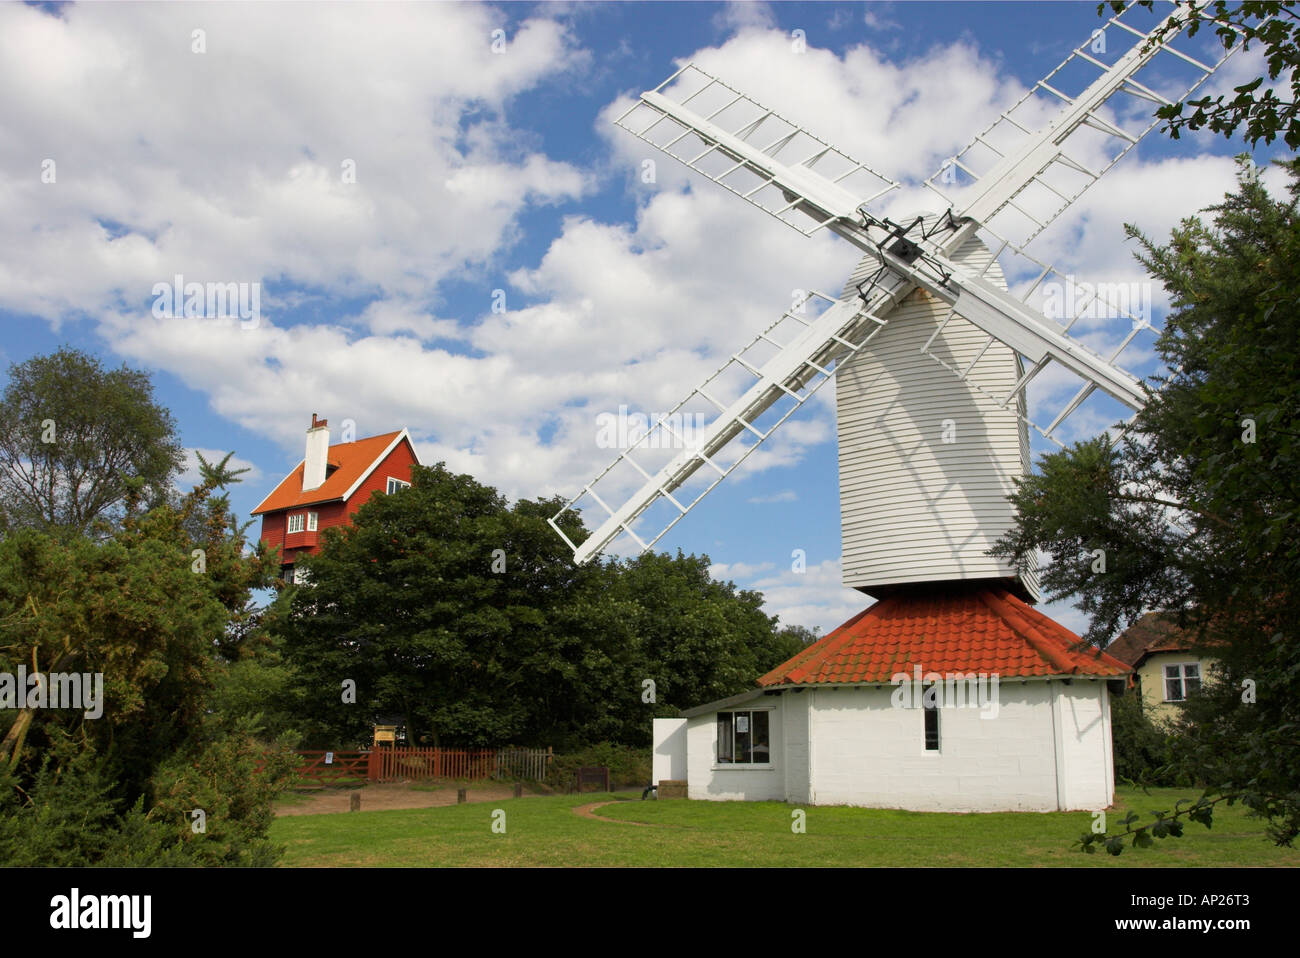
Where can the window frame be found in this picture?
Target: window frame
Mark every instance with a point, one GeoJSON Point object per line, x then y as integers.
{"type": "Point", "coordinates": [930, 717]}
{"type": "Point", "coordinates": [399, 485]}
{"type": "Point", "coordinates": [1182, 678]}
{"type": "Point", "coordinates": [300, 522]}
{"type": "Point", "coordinates": [719, 762]}
{"type": "Point", "coordinates": [313, 521]}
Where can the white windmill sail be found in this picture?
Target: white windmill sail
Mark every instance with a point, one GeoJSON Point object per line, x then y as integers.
{"type": "Point", "coordinates": [810, 185]}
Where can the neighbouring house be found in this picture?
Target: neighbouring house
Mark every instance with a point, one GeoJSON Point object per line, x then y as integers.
{"type": "Point", "coordinates": [328, 486]}
{"type": "Point", "coordinates": [1161, 655]}
{"type": "Point", "coordinates": [959, 698]}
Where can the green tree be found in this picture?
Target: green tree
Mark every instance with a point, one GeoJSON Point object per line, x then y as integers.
{"type": "Point", "coordinates": [469, 618]}
{"type": "Point", "coordinates": [434, 602]}
{"type": "Point", "coordinates": [703, 639]}
{"type": "Point", "coordinates": [1260, 115]}
{"type": "Point", "coordinates": [147, 609]}
{"type": "Point", "coordinates": [77, 441]}
{"type": "Point", "coordinates": [1196, 505]}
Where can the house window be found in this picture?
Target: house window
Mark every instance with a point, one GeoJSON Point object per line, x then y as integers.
{"type": "Point", "coordinates": [931, 727]}
{"type": "Point", "coordinates": [295, 523]}
{"type": "Point", "coordinates": [1181, 681]}
{"type": "Point", "coordinates": [743, 738]}
{"type": "Point", "coordinates": [395, 484]}
{"type": "Point", "coordinates": [312, 519]}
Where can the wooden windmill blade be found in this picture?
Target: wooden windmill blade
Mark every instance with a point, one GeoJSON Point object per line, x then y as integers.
{"type": "Point", "coordinates": [752, 151]}
{"type": "Point", "coordinates": [737, 397]}
{"type": "Point", "coordinates": [805, 182]}
{"type": "Point", "coordinates": [1015, 183]}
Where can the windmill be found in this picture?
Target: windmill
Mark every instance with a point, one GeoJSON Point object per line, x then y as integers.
{"type": "Point", "coordinates": [931, 350]}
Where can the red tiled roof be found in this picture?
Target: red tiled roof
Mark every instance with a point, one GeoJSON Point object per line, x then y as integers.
{"type": "Point", "coordinates": [966, 630]}
{"type": "Point", "coordinates": [1154, 632]}
{"type": "Point", "coordinates": [353, 460]}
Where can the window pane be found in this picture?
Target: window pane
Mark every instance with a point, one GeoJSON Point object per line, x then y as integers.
{"type": "Point", "coordinates": [931, 730]}
{"type": "Point", "coordinates": [744, 737]}
{"type": "Point", "coordinates": [762, 751]}
{"type": "Point", "coordinates": [1192, 670]}
{"type": "Point", "coordinates": [1173, 690]}
{"type": "Point", "coordinates": [725, 753]}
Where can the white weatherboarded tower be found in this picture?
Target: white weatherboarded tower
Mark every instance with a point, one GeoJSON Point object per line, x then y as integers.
{"type": "Point", "coordinates": [927, 460]}
{"type": "Point", "coordinates": [932, 352]}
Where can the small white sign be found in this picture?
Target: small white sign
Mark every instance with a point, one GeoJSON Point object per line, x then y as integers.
{"type": "Point", "coordinates": [742, 723]}
{"type": "Point", "coordinates": [329, 758]}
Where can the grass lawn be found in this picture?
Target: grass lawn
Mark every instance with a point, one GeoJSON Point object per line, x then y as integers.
{"type": "Point", "coordinates": [545, 831]}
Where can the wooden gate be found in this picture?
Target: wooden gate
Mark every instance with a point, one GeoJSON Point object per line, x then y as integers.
{"type": "Point", "coordinates": [341, 765]}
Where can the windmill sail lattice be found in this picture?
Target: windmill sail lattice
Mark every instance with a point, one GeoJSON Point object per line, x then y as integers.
{"type": "Point", "coordinates": [1002, 191]}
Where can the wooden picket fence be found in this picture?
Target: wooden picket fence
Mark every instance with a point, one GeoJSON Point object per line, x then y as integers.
{"type": "Point", "coordinates": [523, 764]}
{"type": "Point", "coordinates": [400, 764]}
{"type": "Point", "coordinates": [396, 764]}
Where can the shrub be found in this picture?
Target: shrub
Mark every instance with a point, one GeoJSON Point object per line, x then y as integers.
{"type": "Point", "coordinates": [628, 767]}
{"type": "Point", "coordinates": [1142, 750]}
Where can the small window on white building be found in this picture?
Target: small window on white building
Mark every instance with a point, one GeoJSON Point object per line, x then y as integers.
{"type": "Point", "coordinates": [395, 484]}
{"type": "Point", "coordinates": [312, 519]}
{"type": "Point", "coordinates": [931, 724]}
{"type": "Point", "coordinates": [1181, 680]}
{"type": "Point", "coordinates": [295, 522]}
{"type": "Point", "coordinates": [743, 738]}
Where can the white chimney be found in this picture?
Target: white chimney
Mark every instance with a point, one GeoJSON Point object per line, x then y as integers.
{"type": "Point", "coordinates": [318, 448]}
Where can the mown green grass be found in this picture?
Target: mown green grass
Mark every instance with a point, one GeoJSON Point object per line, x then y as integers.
{"type": "Point", "coordinates": [544, 831]}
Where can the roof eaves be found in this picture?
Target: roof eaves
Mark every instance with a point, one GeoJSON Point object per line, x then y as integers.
{"type": "Point", "coordinates": [726, 703]}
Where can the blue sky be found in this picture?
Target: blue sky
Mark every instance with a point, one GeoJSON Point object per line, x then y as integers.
{"type": "Point", "coordinates": [213, 141]}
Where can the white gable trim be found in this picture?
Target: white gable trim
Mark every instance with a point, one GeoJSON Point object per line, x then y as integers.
{"type": "Point", "coordinates": [380, 458]}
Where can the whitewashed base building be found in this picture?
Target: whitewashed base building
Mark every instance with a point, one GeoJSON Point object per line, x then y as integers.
{"type": "Point", "coordinates": [955, 700]}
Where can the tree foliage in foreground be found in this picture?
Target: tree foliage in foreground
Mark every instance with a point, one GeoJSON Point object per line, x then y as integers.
{"type": "Point", "coordinates": [1259, 114]}
{"type": "Point", "coordinates": [151, 615]}
{"type": "Point", "coordinates": [1196, 507]}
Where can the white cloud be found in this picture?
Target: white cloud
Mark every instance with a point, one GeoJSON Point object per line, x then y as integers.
{"type": "Point", "coordinates": [814, 598]}
{"type": "Point", "coordinates": [230, 165]}
{"type": "Point", "coordinates": [230, 168]}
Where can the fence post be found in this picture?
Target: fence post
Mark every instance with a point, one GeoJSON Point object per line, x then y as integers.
{"type": "Point", "coordinates": [372, 765]}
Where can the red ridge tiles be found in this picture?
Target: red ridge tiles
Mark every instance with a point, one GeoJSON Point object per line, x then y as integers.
{"type": "Point", "coordinates": [974, 630]}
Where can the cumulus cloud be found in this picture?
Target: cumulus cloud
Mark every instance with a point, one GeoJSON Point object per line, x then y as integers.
{"type": "Point", "coordinates": [349, 157]}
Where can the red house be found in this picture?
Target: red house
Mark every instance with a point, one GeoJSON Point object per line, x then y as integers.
{"type": "Point", "coordinates": [329, 485]}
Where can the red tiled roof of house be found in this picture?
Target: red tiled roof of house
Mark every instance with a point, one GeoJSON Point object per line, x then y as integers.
{"type": "Point", "coordinates": [352, 459]}
{"type": "Point", "coordinates": [1154, 632]}
{"type": "Point", "coordinates": [967, 630]}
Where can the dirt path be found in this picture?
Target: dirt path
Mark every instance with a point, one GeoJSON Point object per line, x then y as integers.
{"type": "Point", "coordinates": [589, 811]}
{"type": "Point", "coordinates": [388, 796]}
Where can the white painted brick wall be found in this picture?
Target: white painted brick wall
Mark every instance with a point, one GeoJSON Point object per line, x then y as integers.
{"type": "Point", "coordinates": [865, 752]}
{"type": "Point", "coordinates": [868, 753]}
{"type": "Point", "coordinates": [669, 757]}
{"type": "Point", "coordinates": [1084, 708]}
{"type": "Point", "coordinates": [705, 781]}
